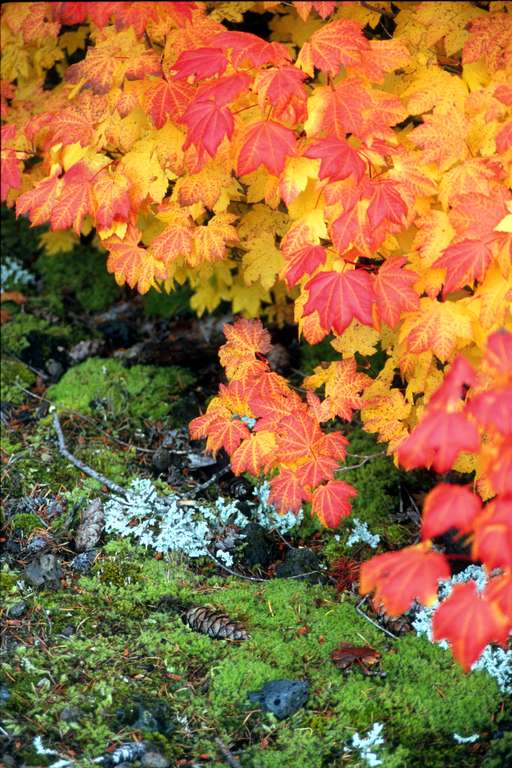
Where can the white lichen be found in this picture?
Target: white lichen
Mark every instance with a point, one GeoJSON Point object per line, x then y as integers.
{"type": "Point", "coordinates": [497, 662]}
{"type": "Point", "coordinates": [365, 745]}
{"type": "Point", "coordinates": [361, 533]}
{"type": "Point", "coordinates": [176, 524]}
{"type": "Point", "coordinates": [13, 274]}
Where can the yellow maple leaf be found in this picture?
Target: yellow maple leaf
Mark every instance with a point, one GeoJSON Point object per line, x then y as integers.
{"type": "Point", "coordinates": [357, 338]}
{"type": "Point", "coordinates": [210, 241]}
{"type": "Point", "coordinates": [431, 86]}
{"type": "Point", "coordinates": [142, 167]}
{"type": "Point", "coordinates": [261, 218]}
{"type": "Point", "coordinates": [247, 299]}
{"type": "Point", "coordinates": [441, 327]}
{"type": "Point", "coordinates": [385, 413]}
{"type": "Point", "coordinates": [262, 261]}
{"type": "Point", "coordinates": [58, 242]}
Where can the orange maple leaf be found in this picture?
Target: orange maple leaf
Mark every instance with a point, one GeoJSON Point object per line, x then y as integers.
{"type": "Point", "coordinates": [469, 623]}
{"type": "Point", "coordinates": [393, 291]}
{"type": "Point", "coordinates": [265, 143]}
{"type": "Point", "coordinates": [449, 506]}
{"type": "Point", "coordinates": [331, 502]}
{"type": "Point", "coordinates": [338, 297]}
{"type": "Point", "coordinates": [132, 264]}
{"type": "Point", "coordinates": [399, 578]}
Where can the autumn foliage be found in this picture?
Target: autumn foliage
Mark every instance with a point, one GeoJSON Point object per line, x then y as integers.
{"type": "Point", "coordinates": [350, 171]}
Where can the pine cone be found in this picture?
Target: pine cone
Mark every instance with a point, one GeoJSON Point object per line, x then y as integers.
{"type": "Point", "coordinates": [214, 623]}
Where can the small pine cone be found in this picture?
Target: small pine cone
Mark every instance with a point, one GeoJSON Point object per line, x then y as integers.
{"type": "Point", "coordinates": [214, 623]}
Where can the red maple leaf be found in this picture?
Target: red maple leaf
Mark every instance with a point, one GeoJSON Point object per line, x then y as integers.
{"type": "Point", "coordinates": [286, 492]}
{"type": "Point", "coordinates": [338, 159]}
{"type": "Point", "coordinates": [386, 204]}
{"type": "Point", "coordinates": [437, 441]}
{"type": "Point", "coordinates": [201, 62]}
{"type": "Point", "coordinates": [498, 591]}
{"type": "Point", "coordinates": [224, 89]}
{"type": "Point", "coordinates": [166, 100]}
{"type": "Point", "coordinates": [493, 534]}
{"type": "Point", "coordinates": [331, 502]}
{"type": "Point", "coordinates": [399, 578]}
{"type": "Point", "coordinates": [265, 143]}
{"type": "Point", "coordinates": [469, 623]}
{"type": "Point", "coordinates": [247, 48]}
{"type": "Point", "coordinates": [393, 291]}
{"type": "Point", "coordinates": [493, 409]}
{"type": "Point", "coordinates": [449, 506]}
{"type": "Point", "coordinates": [207, 124]}
{"type": "Point", "coordinates": [464, 262]}
{"type": "Point", "coordinates": [303, 262]}
{"type": "Point", "coordinates": [338, 297]}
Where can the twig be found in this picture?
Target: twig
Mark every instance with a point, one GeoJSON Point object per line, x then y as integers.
{"type": "Point", "coordinates": [364, 461]}
{"type": "Point", "coordinates": [80, 464]}
{"type": "Point", "coordinates": [375, 624]}
{"type": "Point", "coordinates": [229, 757]}
{"type": "Point", "coordinates": [233, 573]}
{"type": "Point", "coordinates": [212, 480]}
{"type": "Point", "coordinates": [377, 9]}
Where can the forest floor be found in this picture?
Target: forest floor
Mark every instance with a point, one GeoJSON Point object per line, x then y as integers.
{"type": "Point", "coordinates": [103, 658]}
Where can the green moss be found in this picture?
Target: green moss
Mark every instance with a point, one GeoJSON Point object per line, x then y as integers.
{"type": "Point", "coordinates": [22, 330]}
{"type": "Point", "coordinates": [14, 375]}
{"type": "Point", "coordinates": [130, 641]}
{"type": "Point", "coordinates": [81, 273]}
{"type": "Point", "coordinates": [161, 304]}
{"type": "Point", "coordinates": [25, 523]}
{"type": "Point", "coordinates": [143, 391]}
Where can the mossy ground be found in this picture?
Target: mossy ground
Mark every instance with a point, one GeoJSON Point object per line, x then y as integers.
{"type": "Point", "coordinates": [129, 643]}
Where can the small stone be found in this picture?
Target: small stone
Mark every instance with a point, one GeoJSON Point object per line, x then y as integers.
{"type": "Point", "coordinates": [16, 610]}
{"type": "Point", "coordinates": [162, 459]}
{"type": "Point", "coordinates": [282, 697]}
{"type": "Point", "coordinates": [4, 695]}
{"type": "Point", "coordinates": [258, 548]}
{"type": "Point", "coordinates": [55, 369]}
{"type": "Point", "coordinates": [83, 562]}
{"type": "Point", "coordinates": [68, 631]}
{"type": "Point", "coordinates": [37, 544]}
{"type": "Point", "coordinates": [85, 349]}
{"type": "Point", "coordinates": [45, 569]}
{"type": "Point", "coordinates": [154, 760]}
{"type": "Point", "coordinates": [70, 714]}
{"type": "Point", "coordinates": [91, 527]}
{"type": "Point", "coordinates": [300, 563]}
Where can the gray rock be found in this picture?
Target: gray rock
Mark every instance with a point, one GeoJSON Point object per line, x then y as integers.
{"type": "Point", "coordinates": [300, 563]}
{"type": "Point", "coordinates": [90, 529]}
{"type": "Point", "coordinates": [162, 459]}
{"type": "Point", "coordinates": [282, 697]}
{"type": "Point", "coordinates": [16, 610]}
{"type": "Point", "coordinates": [70, 714]}
{"type": "Point", "coordinates": [37, 544]}
{"type": "Point", "coordinates": [85, 349]}
{"type": "Point", "coordinates": [44, 569]}
{"type": "Point", "coordinates": [154, 760]}
{"type": "Point", "coordinates": [83, 562]}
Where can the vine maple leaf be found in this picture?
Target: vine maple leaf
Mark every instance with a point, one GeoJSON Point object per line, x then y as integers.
{"type": "Point", "coordinates": [338, 159]}
{"type": "Point", "coordinates": [132, 264]}
{"type": "Point", "coordinates": [222, 429]}
{"type": "Point", "coordinates": [449, 506]}
{"type": "Point", "coordinates": [253, 453]}
{"type": "Point", "coordinates": [386, 204]}
{"type": "Point", "coordinates": [224, 89]}
{"type": "Point", "coordinates": [39, 201]}
{"type": "Point", "coordinates": [245, 339]}
{"type": "Point", "coordinates": [437, 441]}
{"type": "Point", "coordinates": [331, 502]}
{"type": "Point", "coordinates": [201, 62]}
{"type": "Point", "coordinates": [208, 124]}
{"type": "Point", "coordinates": [493, 534]}
{"type": "Point", "coordinates": [436, 326]}
{"type": "Point", "coordinates": [340, 43]}
{"type": "Point", "coordinates": [112, 201]}
{"type": "Point", "coordinates": [75, 198]}
{"type": "Point", "coordinates": [297, 436]}
{"type": "Point", "coordinates": [210, 240]}
{"type": "Point", "coordinates": [464, 262]}
{"type": "Point", "coordinates": [468, 622]}
{"type": "Point", "coordinates": [247, 48]}
{"type": "Point", "coordinates": [167, 100]}
{"type": "Point", "coordinates": [265, 143]}
{"type": "Point", "coordinates": [281, 87]}
{"type": "Point", "coordinates": [393, 291]}
{"type": "Point", "coordinates": [399, 578]}
{"type": "Point", "coordinates": [338, 297]}
{"type": "Point", "coordinates": [343, 385]}
{"type": "Point", "coordinates": [303, 262]}
{"type": "Point", "coordinates": [498, 591]}
{"type": "Point", "coordinates": [176, 240]}
{"type": "Point", "coordinates": [286, 491]}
